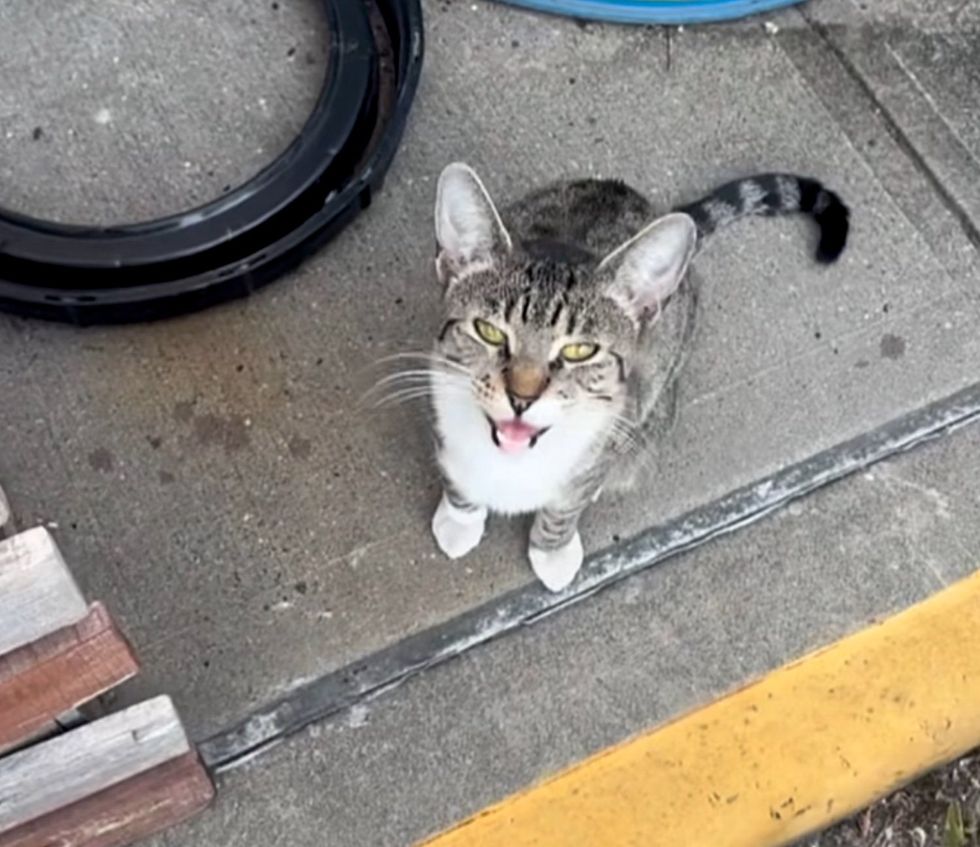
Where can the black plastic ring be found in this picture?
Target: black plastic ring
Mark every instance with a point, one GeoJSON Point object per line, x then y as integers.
{"type": "Point", "coordinates": [256, 232]}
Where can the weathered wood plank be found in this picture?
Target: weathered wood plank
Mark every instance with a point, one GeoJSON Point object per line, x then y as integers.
{"type": "Point", "coordinates": [69, 768]}
{"type": "Point", "coordinates": [39, 682]}
{"type": "Point", "coordinates": [37, 592]}
{"type": "Point", "coordinates": [137, 808]}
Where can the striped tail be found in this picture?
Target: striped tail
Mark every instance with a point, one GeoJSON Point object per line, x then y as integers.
{"type": "Point", "coordinates": [775, 194]}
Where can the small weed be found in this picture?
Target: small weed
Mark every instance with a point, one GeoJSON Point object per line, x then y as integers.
{"type": "Point", "coordinates": [954, 832]}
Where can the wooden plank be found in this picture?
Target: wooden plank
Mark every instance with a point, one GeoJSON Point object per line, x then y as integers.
{"type": "Point", "coordinates": [71, 767]}
{"type": "Point", "coordinates": [40, 682]}
{"type": "Point", "coordinates": [37, 592]}
{"type": "Point", "coordinates": [137, 808]}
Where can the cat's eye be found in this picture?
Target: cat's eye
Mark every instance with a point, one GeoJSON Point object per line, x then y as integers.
{"type": "Point", "coordinates": [579, 352]}
{"type": "Point", "coordinates": [489, 333]}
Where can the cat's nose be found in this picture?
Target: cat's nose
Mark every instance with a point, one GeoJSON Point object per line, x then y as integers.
{"type": "Point", "coordinates": [520, 404]}
{"type": "Point", "coordinates": [525, 382]}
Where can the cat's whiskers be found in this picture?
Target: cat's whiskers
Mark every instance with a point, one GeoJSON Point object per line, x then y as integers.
{"type": "Point", "coordinates": [439, 369]}
{"type": "Point", "coordinates": [403, 376]}
{"type": "Point", "coordinates": [625, 430]}
{"type": "Point", "coordinates": [597, 421]}
{"type": "Point", "coordinates": [406, 395]}
{"type": "Point", "coordinates": [413, 385]}
{"type": "Point", "coordinates": [430, 357]}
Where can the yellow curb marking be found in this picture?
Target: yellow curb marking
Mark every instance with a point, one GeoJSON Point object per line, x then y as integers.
{"type": "Point", "coordinates": [801, 748]}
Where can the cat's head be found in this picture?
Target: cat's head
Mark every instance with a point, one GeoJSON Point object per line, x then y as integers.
{"type": "Point", "coordinates": [544, 343]}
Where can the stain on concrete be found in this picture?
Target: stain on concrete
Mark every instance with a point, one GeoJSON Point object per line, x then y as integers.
{"type": "Point", "coordinates": [101, 460]}
{"type": "Point", "coordinates": [892, 346]}
{"type": "Point", "coordinates": [154, 441]}
{"type": "Point", "coordinates": [861, 364]}
{"type": "Point", "coordinates": [212, 430]}
{"type": "Point", "coordinates": [300, 448]}
{"type": "Point", "coordinates": [230, 432]}
{"type": "Point", "coordinates": [166, 478]}
{"type": "Point", "coordinates": [184, 411]}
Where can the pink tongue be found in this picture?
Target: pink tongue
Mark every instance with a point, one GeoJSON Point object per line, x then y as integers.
{"type": "Point", "coordinates": [514, 435]}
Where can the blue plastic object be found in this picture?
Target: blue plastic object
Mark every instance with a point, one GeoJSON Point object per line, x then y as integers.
{"type": "Point", "coordinates": [654, 11]}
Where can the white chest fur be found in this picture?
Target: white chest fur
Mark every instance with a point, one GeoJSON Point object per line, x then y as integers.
{"type": "Point", "coordinates": [503, 482]}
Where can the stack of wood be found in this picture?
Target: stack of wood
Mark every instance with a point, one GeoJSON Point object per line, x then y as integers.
{"type": "Point", "coordinates": [66, 780]}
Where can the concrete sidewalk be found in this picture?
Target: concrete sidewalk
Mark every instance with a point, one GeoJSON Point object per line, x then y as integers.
{"type": "Point", "coordinates": [212, 478]}
{"type": "Point", "coordinates": [466, 735]}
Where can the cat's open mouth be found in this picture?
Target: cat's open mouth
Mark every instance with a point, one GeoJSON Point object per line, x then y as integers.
{"type": "Point", "coordinates": [514, 435]}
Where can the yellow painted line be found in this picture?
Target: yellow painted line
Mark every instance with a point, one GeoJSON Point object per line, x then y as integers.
{"type": "Point", "coordinates": [803, 747]}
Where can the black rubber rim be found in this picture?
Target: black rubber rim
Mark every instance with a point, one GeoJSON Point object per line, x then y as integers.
{"type": "Point", "coordinates": [250, 236]}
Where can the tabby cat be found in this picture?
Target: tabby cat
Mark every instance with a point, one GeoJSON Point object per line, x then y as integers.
{"type": "Point", "coordinates": [566, 320]}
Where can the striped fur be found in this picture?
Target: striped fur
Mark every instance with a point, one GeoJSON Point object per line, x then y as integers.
{"type": "Point", "coordinates": [575, 262]}
{"type": "Point", "coordinates": [775, 194]}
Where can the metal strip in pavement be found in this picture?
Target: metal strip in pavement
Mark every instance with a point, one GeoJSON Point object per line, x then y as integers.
{"type": "Point", "coordinates": [805, 746]}
{"type": "Point", "coordinates": [391, 666]}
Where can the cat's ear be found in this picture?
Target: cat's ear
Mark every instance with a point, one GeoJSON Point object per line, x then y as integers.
{"type": "Point", "coordinates": [649, 267]}
{"type": "Point", "coordinates": [469, 232]}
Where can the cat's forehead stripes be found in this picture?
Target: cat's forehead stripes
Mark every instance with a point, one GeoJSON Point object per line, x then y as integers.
{"type": "Point", "coordinates": [556, 313]}
{"type": "Point", "coordinates": [545, 293]}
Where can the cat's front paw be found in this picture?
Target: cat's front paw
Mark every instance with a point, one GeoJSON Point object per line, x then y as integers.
{"type": "Point", "coordinates": [557, 568]}
{"type": "Point", "coordinates": [457, 531]}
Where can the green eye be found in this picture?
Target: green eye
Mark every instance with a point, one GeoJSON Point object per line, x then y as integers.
{"type": "Point", "coordinates": [489, 333]}
{"type": "Point", "coordinates": [580, 352]}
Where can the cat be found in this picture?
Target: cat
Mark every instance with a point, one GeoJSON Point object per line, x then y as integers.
{"type": "Point", "coordinates": [566, 320]}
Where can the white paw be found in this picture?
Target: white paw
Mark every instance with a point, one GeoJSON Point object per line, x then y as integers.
{"type": "Point", "coordinates": [457, 532]}
{"type": "Point", "coordinates": [557, 568]}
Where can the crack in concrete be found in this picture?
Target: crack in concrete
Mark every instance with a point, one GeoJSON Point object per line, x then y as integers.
{"type": "Point", "coordinates": [896, 132]}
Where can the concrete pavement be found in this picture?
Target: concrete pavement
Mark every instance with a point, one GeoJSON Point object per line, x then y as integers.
{"type": "Point", "coordinates": [467, 734]}
{"type": "Point", "coordinates": [212, 477]}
